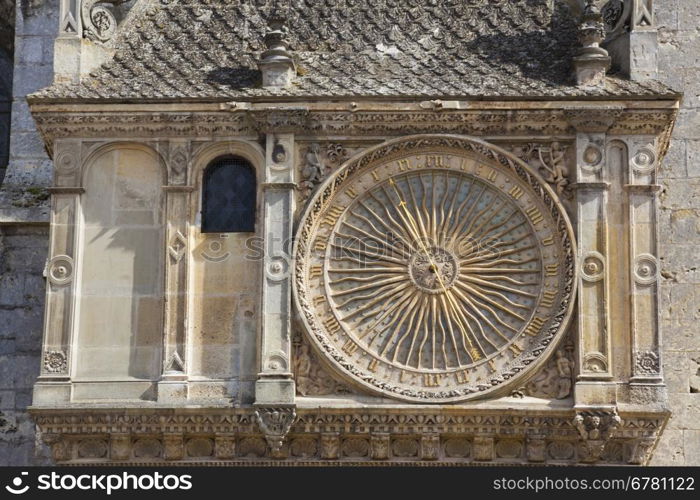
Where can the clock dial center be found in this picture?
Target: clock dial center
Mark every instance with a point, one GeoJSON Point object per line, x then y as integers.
{"type": "Point", "coordinates": [434, 270]}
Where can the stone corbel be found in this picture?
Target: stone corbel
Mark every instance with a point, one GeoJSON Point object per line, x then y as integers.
{"type": "Point", "coordinates": [275, 423]}
{"type": "Point", "coordinates": [596, 428]}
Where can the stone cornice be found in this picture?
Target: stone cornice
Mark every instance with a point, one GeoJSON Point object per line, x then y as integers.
{"type": "Point", "coordinates": [320, 435]}
{"type": "Point", "coordinates": [525, 119]}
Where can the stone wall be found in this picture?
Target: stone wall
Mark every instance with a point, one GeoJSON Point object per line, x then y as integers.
{"type": "Point", "coordinates": [24, 233]}
{"type": "Point", "coordinates": [22, 287]}
{"type": "Point", "coordinates": [5, 107]}
{"type": "Point", "coordinates": [679, 66]}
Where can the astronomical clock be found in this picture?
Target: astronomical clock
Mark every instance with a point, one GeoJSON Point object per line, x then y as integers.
{"type": "Point", "coordinates": [280, 235]}
{"type": "Point", "coordinates": [434, 269]}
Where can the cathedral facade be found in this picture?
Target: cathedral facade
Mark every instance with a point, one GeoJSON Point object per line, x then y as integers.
{"type": "Point", "coordinates": [352, 232]}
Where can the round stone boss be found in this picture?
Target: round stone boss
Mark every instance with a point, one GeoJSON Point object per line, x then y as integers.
{"type": "Point", "coordinates": [434, 269]}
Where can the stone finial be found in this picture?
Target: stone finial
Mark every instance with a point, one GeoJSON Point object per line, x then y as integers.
{"type": "Point", "coordinates": [278, 68]}
{"type": "Point", "coordinates": [592, 61]}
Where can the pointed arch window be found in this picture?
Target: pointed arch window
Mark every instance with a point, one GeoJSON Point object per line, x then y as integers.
{"type": "Point", "coordinates": [229, 196]}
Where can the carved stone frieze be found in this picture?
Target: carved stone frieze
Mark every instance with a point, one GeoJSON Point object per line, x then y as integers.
{"type": "Point", "coordinates": [647, 363]}
{"type": "Point", "coordinates": [313, 170]}
{"type": "Point", "coordinates": [527, 122]}
{"type": "Point", "coordinates": [365, 435]}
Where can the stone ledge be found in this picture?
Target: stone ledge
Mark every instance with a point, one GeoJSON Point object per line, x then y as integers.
{"type": "Point", "coordinates": [332, 436]}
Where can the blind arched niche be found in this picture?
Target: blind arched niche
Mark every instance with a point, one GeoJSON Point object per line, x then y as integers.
{"type": "Point", "coordinates": [121, 282]}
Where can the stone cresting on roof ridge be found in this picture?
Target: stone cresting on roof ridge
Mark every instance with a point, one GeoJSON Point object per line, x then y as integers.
{"type": "Point", "coordinates": [183, 49]}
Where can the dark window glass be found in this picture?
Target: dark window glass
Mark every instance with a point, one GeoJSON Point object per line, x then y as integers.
{"type": "Point", "coordinates": [228, 199]}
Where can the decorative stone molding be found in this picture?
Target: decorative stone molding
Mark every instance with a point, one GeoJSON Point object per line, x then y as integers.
{"type": "Point", "coordinates": [621, 16]}
{"type": "Point", "coordinates": [366, 435]}
{"type": "Point", "coordinates": [647, 363]}
{"type": "Point", "coordinates": [275, 423]}
{"type": "Point", "coordinates": [645, 269]}
{"type": "Point", "coordinates": [60, 270]}
{"type": "Point", "coordinates": [247, 122]}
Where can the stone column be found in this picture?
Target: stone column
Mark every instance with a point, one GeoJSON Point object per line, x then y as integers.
{"type": "Point", "coordinates": [594, 385]}
{"type": "Point", "coordinates": [275, 384]}
{"type": "Point", "coordinates": [646, 378]}
{"type": "Point", "coordinates": [53, 384]}
{"type": "Point", "coordinates": [173, 382]}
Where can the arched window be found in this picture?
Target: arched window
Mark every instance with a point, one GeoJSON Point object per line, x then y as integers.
{"type": "Point", "coordinates": [228, 197]}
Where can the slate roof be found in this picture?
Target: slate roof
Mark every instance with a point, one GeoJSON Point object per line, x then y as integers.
{"type": "Point", "coordinates": [207, 49]}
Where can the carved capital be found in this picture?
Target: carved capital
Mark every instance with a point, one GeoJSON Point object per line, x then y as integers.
{"type": "Point", "coordinates": [275, 423]}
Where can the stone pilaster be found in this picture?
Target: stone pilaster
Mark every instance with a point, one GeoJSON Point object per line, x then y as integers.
{"type": "Point", "coordinates": [594, 384]}
{"type": "Point", "coordinates": [173, 383]}
{"type": "Point", "coordinates": [275, 384]}
{"type": "Point", "coordinates": [53, 385]}
{"type": "Point", "coordinates": [642, 189]}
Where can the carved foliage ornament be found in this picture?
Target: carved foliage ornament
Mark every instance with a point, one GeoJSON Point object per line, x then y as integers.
{"type": "Point", "coordinates": [434, 269]}
{"type": "Point", "coordinates": [55, 362]}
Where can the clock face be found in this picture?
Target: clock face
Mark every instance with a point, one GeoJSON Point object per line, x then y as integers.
{"type": "Point", "coordinates": [431, 270]}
